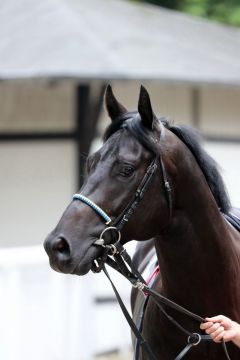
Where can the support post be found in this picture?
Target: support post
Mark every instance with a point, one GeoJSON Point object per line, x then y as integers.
{"type": "Point", "coordinates": [81, 133]}
{"type": "Point", "coordinates": [87, 114]}
{"type": "Point", "coordinates": [195, 97]}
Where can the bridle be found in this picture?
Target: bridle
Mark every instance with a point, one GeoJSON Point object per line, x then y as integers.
{"type": "Point", "coordinates": [119, 222]}
{"type": "Point", "coordinates": [115, 255]}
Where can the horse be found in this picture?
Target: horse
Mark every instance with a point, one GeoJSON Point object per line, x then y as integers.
{"type": "Point", "coordinates": [180, 213]}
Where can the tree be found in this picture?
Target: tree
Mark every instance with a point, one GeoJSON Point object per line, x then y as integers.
{"type": "Point", "coordinates": [225, 11]}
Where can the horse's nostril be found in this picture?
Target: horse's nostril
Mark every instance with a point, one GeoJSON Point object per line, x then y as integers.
{"type": "Point", "coordinates": [61, 245]}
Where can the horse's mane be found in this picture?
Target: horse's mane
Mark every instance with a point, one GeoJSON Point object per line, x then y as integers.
{"type": "Point", "coordinates": [191, 138]}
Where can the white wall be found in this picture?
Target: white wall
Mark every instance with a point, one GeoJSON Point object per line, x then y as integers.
{"type": "Point", "coordinates": [37, 180]}
{"type": "Point", "coordinates": [227, 156]}
{"type": "Point", "coordinates": [220, 112]}
{"type": "Point", "coordinates": [50, 316]}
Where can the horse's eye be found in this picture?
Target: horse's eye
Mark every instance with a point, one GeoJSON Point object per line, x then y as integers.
{"type": "Point", "coordinates": [127, 170]}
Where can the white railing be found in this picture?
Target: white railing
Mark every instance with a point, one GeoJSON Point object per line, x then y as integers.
{"type": "Point", "coordinates": [49, 316]}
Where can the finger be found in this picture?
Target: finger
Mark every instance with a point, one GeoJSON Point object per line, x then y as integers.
{"type": "Point", "coordinates": [218, 334]}
{"type": "Point", "coordinates": [219, 337]}
{"type": "Point", "coordinates": [212, 329]}
{"type": "Point", "coordinates": [224, 321]}
{"type": "Point", "coordinates": [218, 318]}
{"type": "Point", "coordinates": [206, 325]}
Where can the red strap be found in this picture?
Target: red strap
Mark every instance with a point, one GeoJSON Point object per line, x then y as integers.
{"type": "Point", "coordinates": [151, 278]}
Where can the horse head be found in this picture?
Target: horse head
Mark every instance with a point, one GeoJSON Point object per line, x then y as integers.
{"type": "Point", "coordinates": [115, 173]}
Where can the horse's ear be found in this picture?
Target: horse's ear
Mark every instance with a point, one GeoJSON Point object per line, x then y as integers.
{"type": "Point", "coordinates": [145, 108]}
{"type": "Point", "coordinates": [114, 108]}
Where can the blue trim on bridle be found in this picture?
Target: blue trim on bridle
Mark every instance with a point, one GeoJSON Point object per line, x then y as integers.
{"type": "Point", "coordinates": [94, 206]}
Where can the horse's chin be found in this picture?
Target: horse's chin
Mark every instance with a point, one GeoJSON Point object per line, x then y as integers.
{"type": "Point", "coordinates": [86, 264]}
{"type": "Point", "coordinates": [81, 270]}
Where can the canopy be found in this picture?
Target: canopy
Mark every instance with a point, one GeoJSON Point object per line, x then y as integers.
{"type": "Point", "coordinates": [114, 39]}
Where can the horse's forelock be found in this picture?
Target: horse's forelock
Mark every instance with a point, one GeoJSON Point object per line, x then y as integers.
{"type": "Point", "coordinates": [132, 121]}
{"type": "Point", "coordinates": [117, 124]}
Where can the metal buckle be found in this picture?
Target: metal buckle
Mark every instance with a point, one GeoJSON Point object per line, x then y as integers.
{"type": "Point", "coordinates": [197, 341]}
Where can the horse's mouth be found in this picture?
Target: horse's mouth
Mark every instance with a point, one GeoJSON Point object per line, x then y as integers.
{"type": "Point", "coordinates": [83, 266]}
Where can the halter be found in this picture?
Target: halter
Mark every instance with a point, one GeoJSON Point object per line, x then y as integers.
{"type": "Point", "coordinates": [122, 263]}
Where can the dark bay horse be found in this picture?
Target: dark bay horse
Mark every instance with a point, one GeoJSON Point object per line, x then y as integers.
{"type": "Point", "coordinates": [181, 212]}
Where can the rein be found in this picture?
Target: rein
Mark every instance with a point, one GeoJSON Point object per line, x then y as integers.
{"type": "Point", "coordinates": [115, 255]}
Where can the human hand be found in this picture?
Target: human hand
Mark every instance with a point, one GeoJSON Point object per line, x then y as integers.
{"type": "Point", "coordinates": [221, 327]}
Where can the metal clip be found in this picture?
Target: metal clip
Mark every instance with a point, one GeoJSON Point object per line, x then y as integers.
{"type": "Point", "coordinates": [139, 285]}
{"type": "Point", "coordinates": [167, 186]}
{"type": "Point", "coordinates": [113, 249]}
{"type": "Point", "coordinates": [99, 242]}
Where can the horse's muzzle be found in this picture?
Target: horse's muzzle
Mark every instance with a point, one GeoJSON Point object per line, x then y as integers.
{"type": "Point", "coordinates": [58, 250]}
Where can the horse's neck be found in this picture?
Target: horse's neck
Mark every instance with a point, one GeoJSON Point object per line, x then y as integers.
{"type": "Point", "coordinates": [196, 253]}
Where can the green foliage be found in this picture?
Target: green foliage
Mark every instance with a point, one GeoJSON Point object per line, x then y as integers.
{"type": "Point", "coordinates": [225, 11]}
